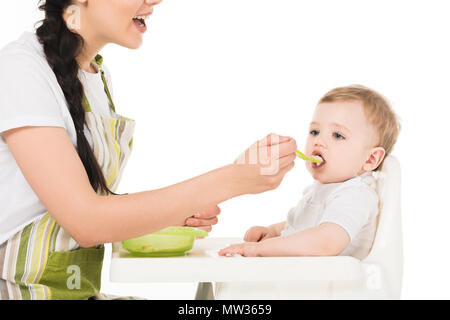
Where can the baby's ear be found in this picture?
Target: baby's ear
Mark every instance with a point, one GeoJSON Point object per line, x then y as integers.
{"type": "Point", "coordinates": [375, 157]}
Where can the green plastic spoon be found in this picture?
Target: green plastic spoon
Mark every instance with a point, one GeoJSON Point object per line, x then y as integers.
{"type": "Point", "coordinates": [315, 159]}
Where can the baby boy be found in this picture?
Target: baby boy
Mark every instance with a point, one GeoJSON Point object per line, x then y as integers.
{"type": "Point", "coordinates": [353, 129]}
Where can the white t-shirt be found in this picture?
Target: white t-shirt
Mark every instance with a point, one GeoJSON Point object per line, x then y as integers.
{"type": "Point", "coordinates": [31, 96]}
{"type": "Point", "coordinates": [352, 204]}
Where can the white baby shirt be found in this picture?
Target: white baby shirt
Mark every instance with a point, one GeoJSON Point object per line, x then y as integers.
{"type": "Point", "coordinates": [31, 96]}
{"type": "Point", "coordinates": [352, 204]}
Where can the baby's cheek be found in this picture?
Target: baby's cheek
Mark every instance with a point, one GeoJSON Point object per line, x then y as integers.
{"type": "Point", "coordinates": [341, 165]}
{"type": "Point", "coordinates": [349, 167]}
{"type": "Point", "coordinates": [338, 168]}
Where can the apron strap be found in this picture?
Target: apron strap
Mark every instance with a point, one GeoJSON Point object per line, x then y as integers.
{"type": "Point", "coordinates": [99, 61]}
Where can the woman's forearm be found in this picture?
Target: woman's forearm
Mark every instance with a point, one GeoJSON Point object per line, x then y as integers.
{"type": "Point", "coordinates": [115, 218]}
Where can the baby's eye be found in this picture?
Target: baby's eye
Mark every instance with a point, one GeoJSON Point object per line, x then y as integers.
{"type": "Point", "coordinates": [314, 132]}
{"type": "Point", "coordinates": [338, 136]}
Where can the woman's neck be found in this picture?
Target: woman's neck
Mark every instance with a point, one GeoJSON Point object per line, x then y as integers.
{"type": "Point", "coordinates": [87, 55]}
{"type": "Point", "coordinates": [92, 44]}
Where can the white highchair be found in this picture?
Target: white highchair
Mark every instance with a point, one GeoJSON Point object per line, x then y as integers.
{"type": "Point", "coordinates": [378, 276]}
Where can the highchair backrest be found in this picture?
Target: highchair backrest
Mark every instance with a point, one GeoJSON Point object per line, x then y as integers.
{"type": "Point", "coordinates": [387, 248]}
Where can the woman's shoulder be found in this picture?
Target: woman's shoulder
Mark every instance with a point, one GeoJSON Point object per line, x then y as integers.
{"type": "Point", "coordinates": [23, 56]}
{"type": "Point", "coordinates": [23, 64]}
{"type": "Point", "coordinates": [29, 90]}
{"type": "Point", "coordinates": [26, 45]}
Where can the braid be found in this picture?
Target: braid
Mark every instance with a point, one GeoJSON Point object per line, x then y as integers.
{"type": "Point", "coordinates": [61, 47]}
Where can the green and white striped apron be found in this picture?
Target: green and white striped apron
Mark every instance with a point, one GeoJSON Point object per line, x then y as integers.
{"type": "Point", "coordinates": [42, 261]}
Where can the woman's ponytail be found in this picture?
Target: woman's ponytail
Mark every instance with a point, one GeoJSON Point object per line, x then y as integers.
{"type": "Point", "coordinates": [61, 47]}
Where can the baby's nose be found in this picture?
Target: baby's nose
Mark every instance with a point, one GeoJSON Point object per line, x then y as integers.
{"type": "Point", "coordinates": [319, 142]}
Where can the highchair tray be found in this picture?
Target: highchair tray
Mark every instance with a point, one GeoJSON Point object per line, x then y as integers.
{"type": "Point", "coordinates": [203, 264]}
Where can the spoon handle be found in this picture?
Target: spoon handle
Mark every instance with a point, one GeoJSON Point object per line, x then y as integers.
{"type": "Point", "coordinates": [304, 157]}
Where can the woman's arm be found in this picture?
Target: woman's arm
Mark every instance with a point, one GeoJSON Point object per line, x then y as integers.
{"type": "Point", "coordinates": [53, 169]}
{"type": "Point", "coordinates": [139, 213]}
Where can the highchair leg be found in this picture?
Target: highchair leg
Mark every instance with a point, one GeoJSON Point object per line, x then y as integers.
{"type": "Point", "coordinates": [204, 291]}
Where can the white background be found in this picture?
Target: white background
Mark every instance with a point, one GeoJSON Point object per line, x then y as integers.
{"type": "Point", "coordinates": [213, 76]}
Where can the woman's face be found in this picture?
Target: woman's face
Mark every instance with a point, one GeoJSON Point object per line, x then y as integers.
{"type": "Point", "coordinates": [111, 21]}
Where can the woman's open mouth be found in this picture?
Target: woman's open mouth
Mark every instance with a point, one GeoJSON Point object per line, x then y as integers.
{"type": "Point", "coordinates": [139, 22]}
{"type": "Point", "coordinates": [317, 165]}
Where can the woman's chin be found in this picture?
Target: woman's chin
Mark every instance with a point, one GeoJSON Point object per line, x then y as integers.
{"type": "Point", "coordinates": [133, 42]}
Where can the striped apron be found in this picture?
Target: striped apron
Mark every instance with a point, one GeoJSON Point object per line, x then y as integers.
{"type": "Point", "coordinates": [42, 261]}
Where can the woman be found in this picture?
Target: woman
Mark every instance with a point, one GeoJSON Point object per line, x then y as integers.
{"type": "Point", "coordinates": [64, 148]}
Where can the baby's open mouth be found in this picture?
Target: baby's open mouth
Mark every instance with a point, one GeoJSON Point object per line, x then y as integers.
{"type": "Point", "coordinates": [318, 155]}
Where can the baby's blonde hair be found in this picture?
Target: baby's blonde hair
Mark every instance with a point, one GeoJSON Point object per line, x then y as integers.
{"type": "Point", "coordinates": [377, 110]}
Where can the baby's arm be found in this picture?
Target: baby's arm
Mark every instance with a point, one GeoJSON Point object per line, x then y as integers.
{"type": "Point", "coordinates": [327, 239]}
{"type": "Point", "coordinates": [259, 233]}
{"type": "Point", "coordinates": [277, 228]}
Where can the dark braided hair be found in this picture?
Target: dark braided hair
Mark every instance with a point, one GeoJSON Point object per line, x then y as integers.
{"type": "Point", "coordinates": [61, 47]}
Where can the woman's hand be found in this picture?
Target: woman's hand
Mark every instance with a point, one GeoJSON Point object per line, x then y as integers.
{"type": "Point", "coordinates": [263, 165]}
{"type": "Point", "coordinates": [204, 220]}
{"type": "Point", "coordinates": [259, 233]}
{"type": "Point", "coordinates": [246, 249]}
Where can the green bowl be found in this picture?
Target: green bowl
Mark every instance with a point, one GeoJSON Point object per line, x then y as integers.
{"type": "Point", "coordinates": [168, 242]}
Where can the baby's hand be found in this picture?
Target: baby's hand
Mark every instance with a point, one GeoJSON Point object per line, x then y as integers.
{"type": "Point", "coordinates": [258, 233]}
{"type": "Point", "coordinates": [246, 249]}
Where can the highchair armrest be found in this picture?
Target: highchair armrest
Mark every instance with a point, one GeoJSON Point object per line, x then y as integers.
{"type": "Point", "coordinates": [202, 264]}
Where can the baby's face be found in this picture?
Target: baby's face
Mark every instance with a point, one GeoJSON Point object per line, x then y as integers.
{"type": "Point", "coordinates": [341, 135]}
